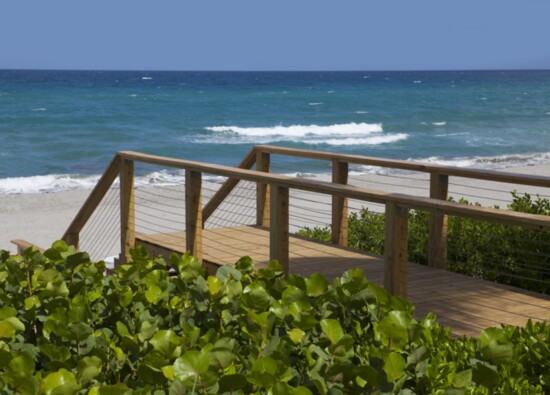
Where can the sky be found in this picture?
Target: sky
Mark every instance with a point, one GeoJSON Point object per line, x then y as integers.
{"type": "Point", "coordinates": [275, 35]}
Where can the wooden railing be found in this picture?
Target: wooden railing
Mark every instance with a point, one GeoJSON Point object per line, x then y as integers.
{"type": "Point", "coordinates": [273, 203]}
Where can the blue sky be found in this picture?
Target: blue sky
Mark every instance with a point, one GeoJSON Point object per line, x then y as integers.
{"type": "Point", "coordinates": [275, 35]}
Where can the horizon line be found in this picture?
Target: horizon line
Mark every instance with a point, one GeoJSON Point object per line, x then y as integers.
{"type": "Point", "coordinates": [277, 71]}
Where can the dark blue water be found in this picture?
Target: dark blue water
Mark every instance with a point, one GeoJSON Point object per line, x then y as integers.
{"type": "Point", "coordinates": [65, 126]}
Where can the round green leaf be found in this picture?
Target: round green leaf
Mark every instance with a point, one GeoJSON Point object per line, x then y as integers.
{"type": "Point", "coordinates": [316, 285]}
{"type": "Point", "coordinates": [191, 364]}
{"type": "Point", "coordinates": [58, 379]}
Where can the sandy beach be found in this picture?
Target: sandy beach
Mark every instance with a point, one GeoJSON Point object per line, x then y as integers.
{"type": "Point", "coordinates": [43, 218]}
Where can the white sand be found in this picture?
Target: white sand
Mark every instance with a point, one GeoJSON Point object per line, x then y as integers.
{"type": "Point", "coordinates": [43, 218]}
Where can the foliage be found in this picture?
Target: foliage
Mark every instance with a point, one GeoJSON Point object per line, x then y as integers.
{"type": "Point", "coordinates": [506, 254]}
{"type": "Point", "coordinates": [67, 328]}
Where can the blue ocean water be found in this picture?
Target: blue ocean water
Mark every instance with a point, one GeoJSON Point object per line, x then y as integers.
{"type": "Point", "coordinates": [59, 129]}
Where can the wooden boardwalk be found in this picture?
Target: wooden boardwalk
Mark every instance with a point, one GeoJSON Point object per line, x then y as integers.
{"type": "Point", "coordinates": [466, 304]}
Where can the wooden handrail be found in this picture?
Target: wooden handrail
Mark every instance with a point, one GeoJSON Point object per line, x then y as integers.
{"type": "Point", "coordinates": [71, 235]}
{"type": "Point", "coordinates": [540, 222]}
{"type": "Point", "coordinates": [481, 174]}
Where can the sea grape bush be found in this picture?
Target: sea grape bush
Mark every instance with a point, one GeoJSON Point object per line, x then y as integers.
{"type": "Point", "coordinates": [66, 327]}
{"type": "Point", "coordinates": [506, 254]}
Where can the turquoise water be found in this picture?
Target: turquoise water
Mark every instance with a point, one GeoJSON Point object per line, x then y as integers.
{"type": "Point", "coordinates": [59, 129]}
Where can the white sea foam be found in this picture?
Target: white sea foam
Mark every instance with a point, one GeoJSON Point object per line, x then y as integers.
{"type": "Point", "coordinates": [330, 91]}
{"type": "Point", "coordinates": [347, 129]}
{"type": "Point", "coordinates": [417, 82]}
{"type": "Point", "coordinates": [315, 104]}
{"type": "Point", "coordinates": [39, 109]}
{"type": "Point", "coordinates": [146, 78]}
{"type": "Point", "coordinates": [548, 113]}
{"type": "Point", "coordinates": [48, 183]}
{"type": "Point", "coordinates": [374, 140]}
{"type": "Point", "coordinates": [499, 161]}
{"type": "Point", "coordinates": [452, 134]}
{"type": "Point", "coordinates": [439, 123]}
{"type": "Point", "coordinates": [361, 112]}
{"type": "Point", "coordinates": [133, 95]}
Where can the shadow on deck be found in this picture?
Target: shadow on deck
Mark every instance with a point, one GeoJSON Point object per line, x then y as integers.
{"type": "Point", "coordinates": [466, 304]}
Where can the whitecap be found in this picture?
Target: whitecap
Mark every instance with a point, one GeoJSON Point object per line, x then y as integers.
{"type": "Point", "coordinates": [452, 134]}
{"type": "Point", "coordinates": [39, 109]}
{"type": "Point", "coordinates": [315, 104]}
{"type": "Point", "coordinates": [361, 112]}
{"type": "Point", "coordinates": [347, 129]}
{"type": "Point", "coordinates": [146, 78]}
{"type": "Point", "coordinates": [548, 113]}
{"type": "Point", "coordinates": [374, 140]}
{"type": "Point", "coordinates": [133, 95]}
{"type": "Point", "coordinates": [443, 123]}
{"type": "Point", "coordinates": [47, 183]}
{"type": "Point", "coordinates": [366, 76]}
{"type": "Point", "coordinates": [417, 81]}
{"type": "Point", "coordinates": [330, 91]}
{"type": "Point", "coordinates": [499, 161]}
{"type": "Point", "coordinates": [482, 98]}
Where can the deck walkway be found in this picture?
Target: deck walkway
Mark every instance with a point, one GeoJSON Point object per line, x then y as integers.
{"type": "Point", "coordinates": [466, 304]}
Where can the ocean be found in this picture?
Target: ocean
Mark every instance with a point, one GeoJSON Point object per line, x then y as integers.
{"type": "Point", "coordinates": [59, 129]}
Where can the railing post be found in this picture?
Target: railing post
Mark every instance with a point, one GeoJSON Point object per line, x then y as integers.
{"type": "Point", "coordinates": [437, 244]}
{"type": "Point", "coordinates": [278, 232]}
{"type": "Point", "coordinates": [73, 239]}
{"type": "Point", "coordinates": [262, 190]}
{"type": "Point", "coordinates": [395, 249]}
{"type": "Point", "coordinates": [193, 213]}
{"type": "Point", "coordinates": [339, 205]}
{"type": "Point", "coordinates": [127, 209]}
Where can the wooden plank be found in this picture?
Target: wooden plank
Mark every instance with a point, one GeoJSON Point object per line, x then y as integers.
{"type": "Point", "coordinates": [92, 202]}
{"type": "Point", "coordinates": [127, 209]}
{"type": "Point", "coordinates": [395, 249]}
{"type": "Point", "coordinates": [278, 236]}
{"type": "Point", "coordinates": [437, 244]}
{"type": "Point", "coordinates": [339, 205]}
{"type": "Point", "coordinates": [193, 213]}
{"type": "Point", "coordinates": [227, 187]}
{"type": "Point", "coordinates": [481, 174]}
{"type": "Point", "coordinates": [262, 190]}
{"type": "Point", "coordinates": [22, 245]}
{"type": "Point", "coordinates": [540, 222]}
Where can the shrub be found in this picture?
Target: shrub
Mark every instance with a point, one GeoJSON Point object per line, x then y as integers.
{"type": "Point", "coordinates": [67, 328]}
{"type": "Point", "coordinates": [506, 254]}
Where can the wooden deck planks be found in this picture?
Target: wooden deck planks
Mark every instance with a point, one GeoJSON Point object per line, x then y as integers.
{"type": "Point", "coordinates": [466, 304]}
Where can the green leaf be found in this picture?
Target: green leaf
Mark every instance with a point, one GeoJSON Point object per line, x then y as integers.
{"type": "Point", "coordinates": [9, 326]}
{"type": "Point", "coordinates": [165, 342]}
{"type": "Point", "coordinates": [7, 312]}
{"type": "Point", "coordinates": [463, 379]}
{"type": "Point", "coordinates": [332, 330]}
{"type": "Point", "coordinates": [394, 366]}
{"type": "Point", "coordinates": [214, 285]}
{"type": "Point", "coordinates": [245, 265]}
{"type": "Point", "coordinates": [394, 328]}
{"type": "Point", "coordinates": [485, 374]}
{"type": "Point", "coordinates": [316, 285]}
{"type": "Point", "coordinates": [126, 295]}
{"type": "Point", "coordinates": [221, 357]}
{"type": "Point", "coordinates": [255, 296]}
{"type": "Point", "coordinates": [296, 335]}
{"type": "Point", "coordinates": [191, 364]}
{"type": "Point", "coordinates": [153, 294]}
{"type": "Point", "coordinates": [62, 378]}
{"type": "Point", "coordinates": [226, 271]}
{"type": "Point", "coordinates": [232, 383]}
{"type": "Point", "coordinates": [89, 368]}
